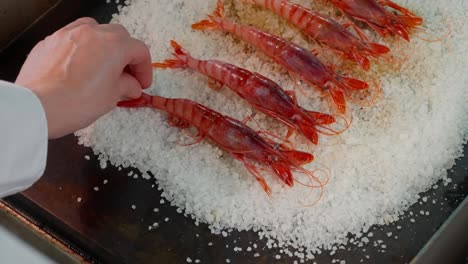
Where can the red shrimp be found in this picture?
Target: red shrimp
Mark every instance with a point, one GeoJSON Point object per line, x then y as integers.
{"type": "Point", "coordinates": [326, 31]}
{"type": "Point", "coordinates": [235, 137]}
{"type": "Point", "coordinates": [297, 60]}
{"type": "Point", "coordinates": [384, 22]}
{"type": "Point", "coordinates": [262, 93]}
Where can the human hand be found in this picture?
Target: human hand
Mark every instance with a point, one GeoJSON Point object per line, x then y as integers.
{"type": "Point", "coordinates": [81, 71]}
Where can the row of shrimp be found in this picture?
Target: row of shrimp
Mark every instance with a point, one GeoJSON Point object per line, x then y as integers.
{"type": "Point", "coordinates": [256, 150]}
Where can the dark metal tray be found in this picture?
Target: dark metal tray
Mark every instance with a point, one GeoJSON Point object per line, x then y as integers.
{"type": "Point", "coordinates": [104, 228]}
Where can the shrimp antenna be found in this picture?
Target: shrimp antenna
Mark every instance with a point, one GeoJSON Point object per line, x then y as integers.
{"type": "Point", "coordinates": [328, 131]}
{"type": "Point", "coordinates": [436, 39]}
{"type": "Point", "coordinates": [370, 102]}
{"type": "Point", "coordinates": [313, 187]}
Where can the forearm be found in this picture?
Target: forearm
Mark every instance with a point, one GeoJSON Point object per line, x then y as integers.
{"type": "Point", "coordinates": [23, 138]}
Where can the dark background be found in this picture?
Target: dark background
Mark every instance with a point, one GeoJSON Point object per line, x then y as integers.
{"type": "Point", "coordinates": [104, 227]}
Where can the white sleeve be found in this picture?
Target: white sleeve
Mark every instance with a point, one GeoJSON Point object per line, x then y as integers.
{"type": "Point", "coordinates": [23, 138]}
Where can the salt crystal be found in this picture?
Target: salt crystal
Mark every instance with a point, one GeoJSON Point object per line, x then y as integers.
{"type": "Point", "coordinates": [96, 188]}
{"type": "Point", "coordinates": [197, 261]}
{"type": "Point", "coordinates": [189, 260]}
{"type": "Point", "coordinates": [256, 255]}
{"type": "Point", "coordinates": [277, 257]}
{"type": "Point", "coordinates": [87, 157]}
{"type": "Point", "coordinates": [133, 206]}
{"type": "Point", "coordinates": [105, 181]}
{"type": "Point", "coordinates": [228, 261]}
{"type": "Point", "coordinates": [389, 234]}
{"type": "Point", "coordinates": [79, 199]}
{"type": "Point", "coordinates": [166, 219]}
{"type": "Point", "coordinates": [156, 210]}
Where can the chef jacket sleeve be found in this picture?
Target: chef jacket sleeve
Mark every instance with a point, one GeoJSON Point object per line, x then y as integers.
{"type": "Point", "coordinates": [23, 138]}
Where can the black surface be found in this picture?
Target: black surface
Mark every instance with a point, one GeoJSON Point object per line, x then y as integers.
{"type": "Point", "coordinates": [104, 227]}
{"type": "Point", "coordinates": [451, 237]}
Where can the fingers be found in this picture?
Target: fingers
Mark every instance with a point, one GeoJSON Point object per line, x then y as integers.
{"type": "Point", "coordinates": [129, 87]}
{"type": "Point", "coordinates": [138, 59]}
{"type": "Point", "coordinates": [79, 22]}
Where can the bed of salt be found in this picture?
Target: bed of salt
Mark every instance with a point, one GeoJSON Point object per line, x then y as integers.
{"type": "Point", "coordinates": [393, 150]}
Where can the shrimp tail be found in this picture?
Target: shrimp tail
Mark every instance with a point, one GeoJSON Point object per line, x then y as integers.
{"type": "Point", "coordinates": [298, 158]}
{"type": "Point", "coordinates": [372, 49]}
{"type": "Point", "coordinates": [180, 61]}
{"type": "Point", "coordinates": [408, 18]}
{"type": "Point", "coordinates": [143, 101]}
{"type": "Point", "coordinates": [309, 131]}
{"type": "Point", "coordinates": [411, 21]}
{"type": "Point", "coordinates": [379, 49]}
{"type": "Point", "coordinates": [321, 118]}
{"type": "Point", "coordinates": [338, 100]}
{"type": "Point", "coordinates": [213, 20]}
{"type": "Point", "coordinates": [362, 60]}
{"type": "Point", "coordinates": [284, 172]}
{"type": "Point", "coordinates": [307, 125]}
{"type": "Point", "coordinates": [353, 84]}
{"type": "Point", "coordinates": [292, 158]}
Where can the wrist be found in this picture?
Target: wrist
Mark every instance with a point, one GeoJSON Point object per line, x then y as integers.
{"type": "Point", "coordinates": [45, 97]}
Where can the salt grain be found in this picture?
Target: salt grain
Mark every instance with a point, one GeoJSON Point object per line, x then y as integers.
{"type": "Point", "coordinates": [79, 199]}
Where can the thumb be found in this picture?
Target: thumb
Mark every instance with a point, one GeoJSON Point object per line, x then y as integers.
{"type": "Point", "coordinates": [129, 87]}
